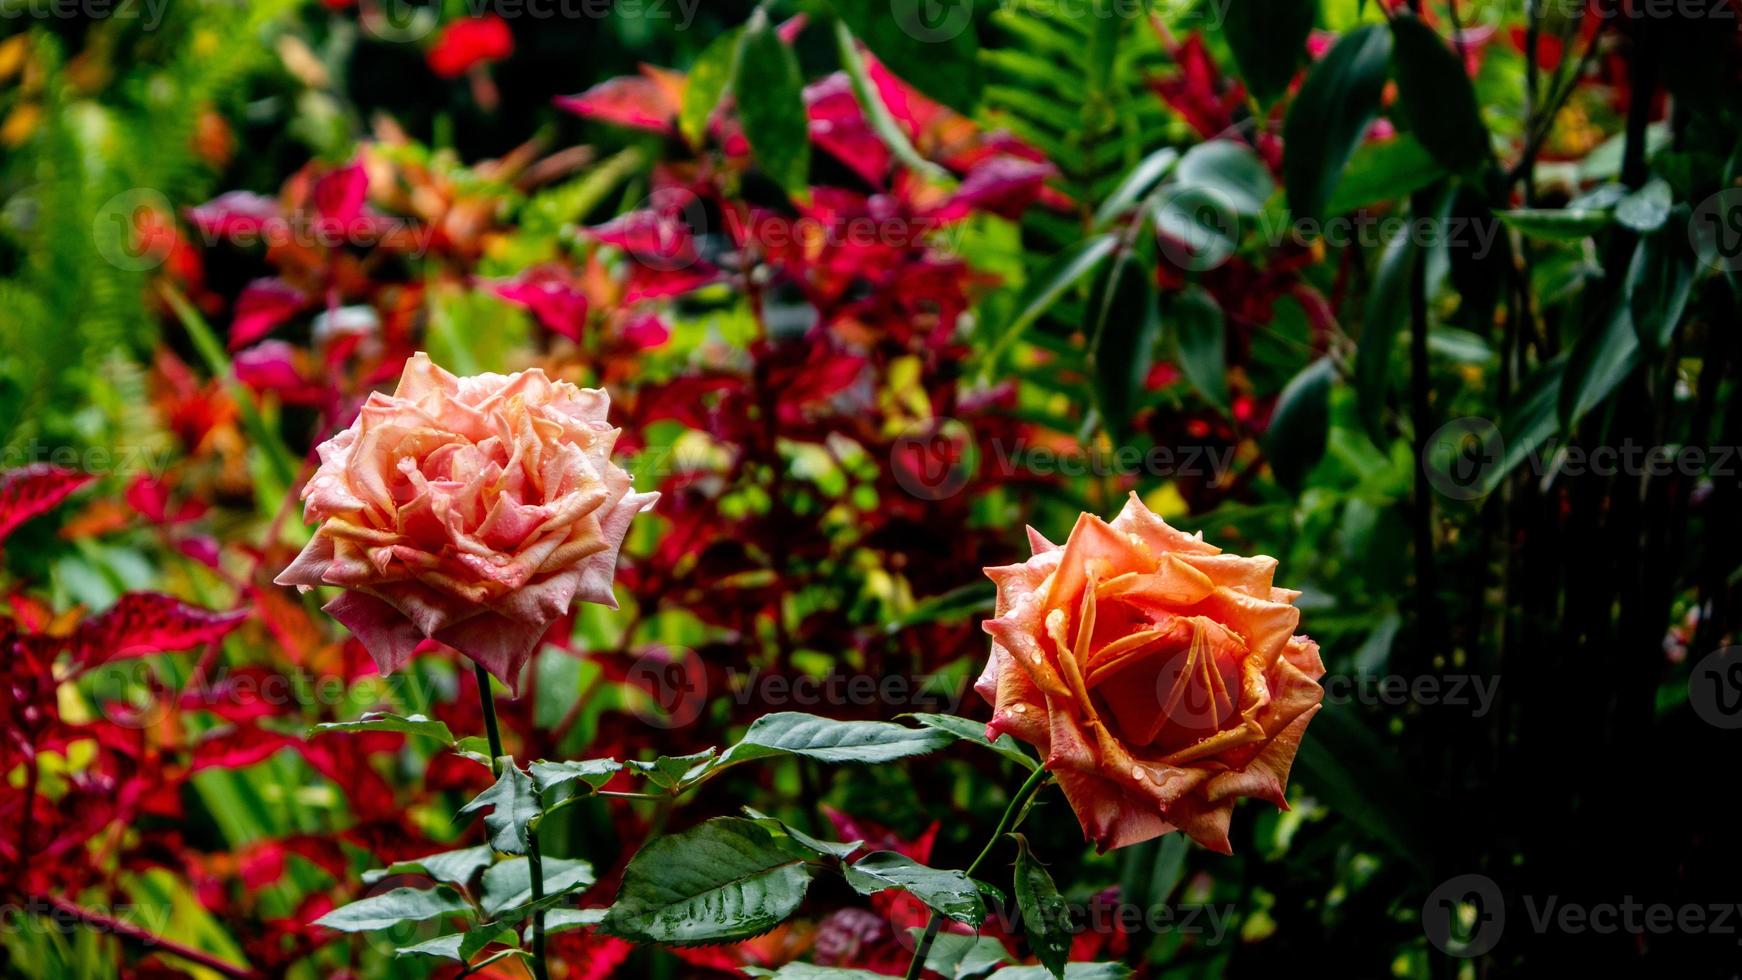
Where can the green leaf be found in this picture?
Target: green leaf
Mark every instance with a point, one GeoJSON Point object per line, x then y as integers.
{"type": "Point", "coordinates": [961, 957]}
{"type": "Point", "coordinates": [1646, 209]}
{"type": "Point", "coordinates": [1349, 768]}
{"type": "Point", "coordinates": [1556, 225]}
{"type": "Point", "coordinates": [1045, 916]}
{"type": "Point", "coordinates": [1386, 170]}
{"type": "Point", "coordinates": [1137, 183]}
{"type": "Point", "coordinates": [1230, 167]}
{"type": "Point", "coordinates": [969, 730]}
{"type": "Point", "coordinates": [594, 772]}
{"type": "Point", "coordinates": [1268, 38]}
{"type": "Point", "coordinates": [1127, 325]}
{"type": "Point", "coordinates": [962, 602]}
{"type": "Point", "coordinates": [1330, 115]}
{"type": "Point", "coordinates": [949, 893]}
{"type": "Point", "coordinates": [1300, 424]}
{"type": "Point", "coordinates": [770, 93]}
{"type": "Point", "coordinates": [1600, 359]}
{"type": "Point", "coordinates": [810, 971]}
{"type": "Point", "coordinates": [1200, 344]}
{"type": "Point", "coordinates": [709, 78]}
{"type": "Point", "coordinates": [381, 721]}
{"type": "Point", "coordinates": [1660, 281]}
{"type": "Point", "coordinates": [389, 909]}
{"type": "Point", "coordinates": [821, 848]}
{"type": "Point", "coordinates": [939, 55]}
{"type": "Point", "coordinates": [514, 803]}
{"type": "Point", "coordinates": [1060, 274]}
{"type": "Point", "coordinates": [563, 920]}
{"type": "Point", "coordinates": [1437, 98]}
{"type": "Point", "coordinates": [1386, 313]}
{"type": "Point", "coordinates": [448, 867]}
{"type": "Point", "coordinates": [1073, 971]}
{"type": "Point", "coordinates": [669, 771]}
{"type": "Point", "coordinates": [721, 881]}
{"type": "Point", "coordinates": [827, 740]}
{"type": "Point", "coordinates": [509, 883]}
{"type": "Point", "coordinates": [442, 947]}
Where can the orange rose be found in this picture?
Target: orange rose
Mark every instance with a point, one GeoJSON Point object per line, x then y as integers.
{"type": "Point", "coordinates": [1160, 678]}
{"type": "Point", "coordinates": [471, 511]}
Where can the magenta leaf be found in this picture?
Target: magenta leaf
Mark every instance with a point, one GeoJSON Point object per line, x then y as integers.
{"type": "Point", "coordinates": [147, 622]}
{"type": "Point", "coordinates": [31, 490]}
{"type": "Point", "coordinates": [264, 304]}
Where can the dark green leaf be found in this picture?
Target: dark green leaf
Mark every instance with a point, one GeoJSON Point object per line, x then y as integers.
{"type": "Point", "coordinates": [960, 957]}
{"type": "Point", "coordinates": [1437, 98]}
{"type": "Point", "coordinates": [594, 772]}
{"type": "Point", "coordinates": [949, 893]}
{"type": "Point", "coordinates": [668, 771]}
{"type": "Point", "coordinates": [1602, 356]}
{"type": "Point", "coordinates": [1556, 225]}
{"type": "Point", "coordinates": [449, 867]}
{"type": "Point", "coordinates": [1128, 323]}
{"type": "Point", "coordinates": [770, 93]}
{"type": "Point", "coordinates": [1330, 116]}
{"type": "Point", "coordinates": [1231, 168]}
{"type": "Point", "coordinates": [381, 721]}
{"type": "Point", "coordinates": [827, 740]}
{"type": "Point", "coordinates": [721, 881]}
{"type": "Point", "coordinates": [1300, 424]}
{"type": "Point", "coordinates": [562, 920]}
{"type": "Point", "coordinates": [1387, 312]}
{"type": "Point", "coordinates": [1268, 38]}
{"type": "Point", "coordinates": [389, 909]}
{"type": "Point", "coordinates": [1137, 183]}
{"type": "Point", "coordinates": [1060, 274]}
{"type": "Point", "coordinates": [1387, 170]}
{"type": "Point", "coordinates": [1045, 916]}
{"type": "Point", "coordinates": [709, 77]}
{"type": "Point", "coordinates": [1073, 971]}
{"type": "Point", "coordinates": [509, 883]}
{"type": "Point", "coordinates": [820, 848]}
{"type": "Point", "coordinates": [933, 47]}
{"type": "Point", "coordinates": [970, 730]}
{"type": "Point", "coordinates": [1200, 344]}
{"type": "Point", "coordinates": [1659, 283]}
{"type": "Point", "coordinates": [514, 804]}
{"type": "Point", "coordinates": [1646, 209]}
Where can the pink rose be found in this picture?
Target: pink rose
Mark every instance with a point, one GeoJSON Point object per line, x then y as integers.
{"type": "Point", "coordinates": [471, 511]}
{"type": "Point", "coordinates": [1160, 679]}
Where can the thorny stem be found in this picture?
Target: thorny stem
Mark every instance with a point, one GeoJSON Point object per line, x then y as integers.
{"type": "Point", "coordinates": [534, 860]}
{"type": "Point", "coordinates": [1036, 780]}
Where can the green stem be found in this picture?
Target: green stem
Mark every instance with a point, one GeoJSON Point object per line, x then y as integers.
{"type": "Point", "coordinates": [534, 860]}
{"type": "Point", "coordinates": [1036, 780]}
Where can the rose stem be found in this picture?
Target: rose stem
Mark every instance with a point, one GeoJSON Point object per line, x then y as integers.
{"type": "Point", "coordinates": [1035, 781]}
{"type": "Point", "coordinates": [534, 860]}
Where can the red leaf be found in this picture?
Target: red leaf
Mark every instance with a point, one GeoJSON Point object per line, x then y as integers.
{"type": "Point", "coordinates": [264, 304]}
{"type": "Point", "coordinates": [561, 308]}
{"type": "Point", "coordinates": [339, 195]}
{"type": "Point", "coordinates": [633, 101]}
{"type": "Point", "coordinates": [31, 490]}
{"type": "Point", "coordinates": [234, 213]}
{"type": "Point", "coordinates": [148, 622]}
{"type": "Point", "coordinates": [468, 42]}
